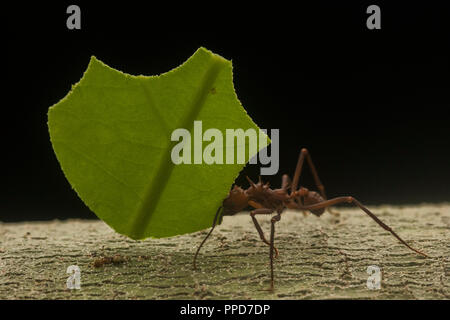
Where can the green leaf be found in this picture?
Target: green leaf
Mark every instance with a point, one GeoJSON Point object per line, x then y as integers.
{"type": "Point", "coordinates": [112, 137]}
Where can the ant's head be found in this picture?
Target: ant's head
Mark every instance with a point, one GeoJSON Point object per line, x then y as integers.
{"type": "Point", "coordinates": [236, 201]}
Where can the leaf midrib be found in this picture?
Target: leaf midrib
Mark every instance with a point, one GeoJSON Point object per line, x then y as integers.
{"type": "Point", "coordinates": [166, 166]}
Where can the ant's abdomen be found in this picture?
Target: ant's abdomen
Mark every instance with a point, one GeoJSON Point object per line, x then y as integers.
{"type": "Point", "coordinates": [313, 198]}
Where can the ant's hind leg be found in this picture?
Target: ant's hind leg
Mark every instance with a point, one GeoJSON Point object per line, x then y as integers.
{"type": "Point", "coordinates": [258, 227]}
{"type": "Point", "coordinates": [355, 202]}
{"type": "Point", "coordinates": [207, 236]}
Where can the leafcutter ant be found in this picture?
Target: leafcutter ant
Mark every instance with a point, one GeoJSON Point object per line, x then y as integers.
{"type": "Point", "coordinates": [265, 200]}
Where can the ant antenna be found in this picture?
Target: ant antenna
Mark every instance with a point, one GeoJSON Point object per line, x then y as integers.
{"type": "Point", "coordinates": [207, 236]}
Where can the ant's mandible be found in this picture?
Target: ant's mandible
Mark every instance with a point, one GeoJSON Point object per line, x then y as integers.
{"type": "Point", "coordinates": [265, 200]}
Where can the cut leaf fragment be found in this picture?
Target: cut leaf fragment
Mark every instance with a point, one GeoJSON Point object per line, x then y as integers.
{"type": "Point", "coordinates": [112, 137]}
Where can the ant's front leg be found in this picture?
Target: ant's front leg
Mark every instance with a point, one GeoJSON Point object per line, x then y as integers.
{"type": "Point", "coordinates": [258, 227]}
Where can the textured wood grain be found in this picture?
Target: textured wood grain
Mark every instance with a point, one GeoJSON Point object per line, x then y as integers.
{"type": "Point", "coordinates": [322, 258]}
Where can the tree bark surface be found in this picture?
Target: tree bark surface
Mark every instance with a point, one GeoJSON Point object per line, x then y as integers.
{"type": "Point", "coordinates": [320, 258]}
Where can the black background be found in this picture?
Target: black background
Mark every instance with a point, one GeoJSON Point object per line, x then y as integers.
{"type": "Point", "coordinates": [370, 105]}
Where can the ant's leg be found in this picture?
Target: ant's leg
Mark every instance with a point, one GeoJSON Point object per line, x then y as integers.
{"type": "Point", "coordinates": [207, 236]}
{"type": "Point", "coordinates": [298, 170]}
{"type": "Point", "coordinates": [272, 247]}
{"type": "Point", "coordinates": [258, 227]}
{"type": "Point", "coordinates": [304, 154]}
{"type": "Point", "coordinates": [352, 200]}
{"type": "Point", "coordinates": [285, 182]}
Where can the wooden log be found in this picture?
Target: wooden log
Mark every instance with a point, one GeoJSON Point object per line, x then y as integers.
{"type": "Point", "coordinates": [320, 258]}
